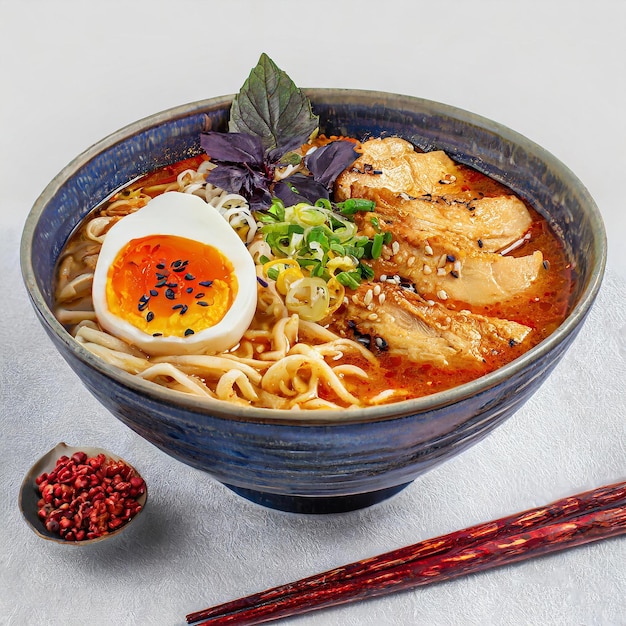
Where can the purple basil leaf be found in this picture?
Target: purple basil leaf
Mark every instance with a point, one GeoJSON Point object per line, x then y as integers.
{"type": "Point", "coordinates": [327, 162]}
{"type": "Point", "coordinates": [299, 188]}
{"type": "Point", "coordinates": [270, 106]}
{"type": "Point", "coordinates": [232, 147]}
{"type": "Point", "coordinates": [231, 178]}
{"type": "Point", "coordinates": [293, 143]}
{"type": "Point", "coordinates": [255, 181]}
{"type": "Point", "coordinates": [260, 199]}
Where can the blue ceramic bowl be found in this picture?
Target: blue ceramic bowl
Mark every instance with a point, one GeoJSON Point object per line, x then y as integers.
{"type": "Point", "coordinates": [323, 461]}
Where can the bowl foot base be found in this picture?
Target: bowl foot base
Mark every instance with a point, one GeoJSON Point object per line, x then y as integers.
{"type": "Point", "coordinates": [316, 505]}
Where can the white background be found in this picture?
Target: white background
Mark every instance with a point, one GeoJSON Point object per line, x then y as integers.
{"type": "Point", "coordinates": [73, 72]}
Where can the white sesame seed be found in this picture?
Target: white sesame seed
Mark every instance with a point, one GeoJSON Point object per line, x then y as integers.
{"type": "Point", "coordinates": [395, 247]}
{"type": "Point", "coordinates": [457, 266]}
{"type": "Point", "coordinates": [355, 299]}
{"type": "Point", "coordinates": [430, 302]}
{"type": "Point", "coordinates": [370, 306]}
{"type": "Point", "coordinates": [383, 278]}
{"type": "Point", "coordinates": [442, 295]}
{"type": "Point", "coordinates": [410, 261]}
{"type": "Point", "coordinates": [441, 271]}
{"type": "Point", "coordinates": [381, 298]}
{"type": "Point", "coordinates": [428, 250]}
{"type": "Point", "coordinates": [368, 296]}
{"type": "Point", "coordinates": [443, 259]}
{"type": "Point", "coordinates": [377, 289]}
{"type": "Point", "coordinates": [372, 317]}
{"type": "Point", "coordinates": [427, 269]}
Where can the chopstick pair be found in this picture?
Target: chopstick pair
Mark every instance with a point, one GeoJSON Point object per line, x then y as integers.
{"type": "Point", "coordinates": [572, 521]}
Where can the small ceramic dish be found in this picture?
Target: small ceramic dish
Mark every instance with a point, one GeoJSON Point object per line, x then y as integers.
{"type": "Point", "coordinates": [30, 494]}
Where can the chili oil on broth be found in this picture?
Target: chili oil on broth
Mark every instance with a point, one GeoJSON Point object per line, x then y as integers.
{"type": "Point", "coordinates": [273, 334]}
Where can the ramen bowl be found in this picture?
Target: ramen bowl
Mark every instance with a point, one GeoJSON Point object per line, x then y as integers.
{"type": "Point", "coordinates": [324, 460]}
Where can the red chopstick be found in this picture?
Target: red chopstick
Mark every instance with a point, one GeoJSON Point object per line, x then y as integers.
{"type": "Point", "coordinates": [572, 521]}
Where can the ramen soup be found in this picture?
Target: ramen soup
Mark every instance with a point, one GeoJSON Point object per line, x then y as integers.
{"type": "Point", "coordinates": [416, 275]}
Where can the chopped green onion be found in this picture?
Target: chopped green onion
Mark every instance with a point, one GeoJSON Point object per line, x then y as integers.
{"type": "Point", "coordinates": [377, 245]}
{"type": "Point", "coordinates": [324, 203]}
{"type": "Point", "coordinates": [349, 279]}
{"type": "Point", "coordinates": [366, 271]}
{"type": "Point", "coordinates": [354, 205]}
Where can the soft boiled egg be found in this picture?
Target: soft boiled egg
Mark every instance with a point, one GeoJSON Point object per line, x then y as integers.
{"type": "Point", "coordinates": [175, 278]}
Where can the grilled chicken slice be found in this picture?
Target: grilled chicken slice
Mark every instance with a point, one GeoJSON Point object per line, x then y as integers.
{"type": "Point", "coordinates": [404, 323]}
{"type": "Point", "coordinates": [392, 163]}
{"type": "Point", "coordinates": [447, 235]}
{"type": "Point", "coordinates": [408, 188]}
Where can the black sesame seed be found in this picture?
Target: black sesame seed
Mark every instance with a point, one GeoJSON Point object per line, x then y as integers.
{"type": "Point", "coordinates": [180, 268]}
{"type": "Point", "coordinates": [178, 306]}
{"type": "Point", "coordinates": [176, 263]}
{"type": "Point", "coordinates": [161, 283]}
{"type": "Point", "coordinates": [206, 283]}
{"type": "Point", "coordinates": [261, 281]}
{"type": "Point", "coordinates": [450, 258]}
{"type": "Point", "coordinates": [381, 344]}
{"type": "Point", "coordinates": [364, 340]}
{"type": "Point", "coordinates": [189, 277]}
{"type": "Point", "coordinates": [188, 332]}
{"type": "Point", "coordinates": [546, 265]}
{"type": "Point", "coordinates": [157, 334]}
{"type": "Point", "coordinates": [454, 273]}
{"type": "Point", "coordinates": [200, 295]}
{"type": "Point", "coordinates": [189, 289]}
{"type": "Point", "coordinates": [512, 343]}
{"type": "Point", "coordinates": [161, 276]}
{"type": "Point", "coordinates": [169, 294]}
{"type": "Point", "coordinates": [154, 292]}
{"type": "Point", "coordinates": [173, 285]}
{"type": "Point", "coordinates": [160, 266]}
{"type": "Point", "coordinates": [202, 303]}
{"type": "Point", "coordinates": [184, 309]}
{"type": "Point", "coordinates": [150, 316]}
{"type": "Point", "coordinates": [480, 243]}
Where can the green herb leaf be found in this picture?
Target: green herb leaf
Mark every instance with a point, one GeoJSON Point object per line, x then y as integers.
{"type": "Point", "coordinates": [270, 106]}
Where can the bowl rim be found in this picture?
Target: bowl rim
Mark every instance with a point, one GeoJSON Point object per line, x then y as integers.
{"type": "Point", "coordinates": [300, 417]}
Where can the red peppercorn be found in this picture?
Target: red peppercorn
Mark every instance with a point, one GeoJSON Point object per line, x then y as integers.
{"type": "Point", "coordinates": [87, 497]}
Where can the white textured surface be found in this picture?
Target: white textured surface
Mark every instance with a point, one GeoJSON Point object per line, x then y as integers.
{"type": "Point", "coordinates": [551, 70]}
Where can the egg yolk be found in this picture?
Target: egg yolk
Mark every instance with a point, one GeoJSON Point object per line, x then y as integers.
{"type": "Point", "coordinates": [167, 285]}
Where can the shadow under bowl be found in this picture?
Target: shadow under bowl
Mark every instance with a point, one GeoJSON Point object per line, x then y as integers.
{"type": "Point", "coordinates": [322, 461]}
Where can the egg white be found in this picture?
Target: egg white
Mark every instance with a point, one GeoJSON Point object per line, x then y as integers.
{"type": "Point", "coordinates": [182, 215]}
